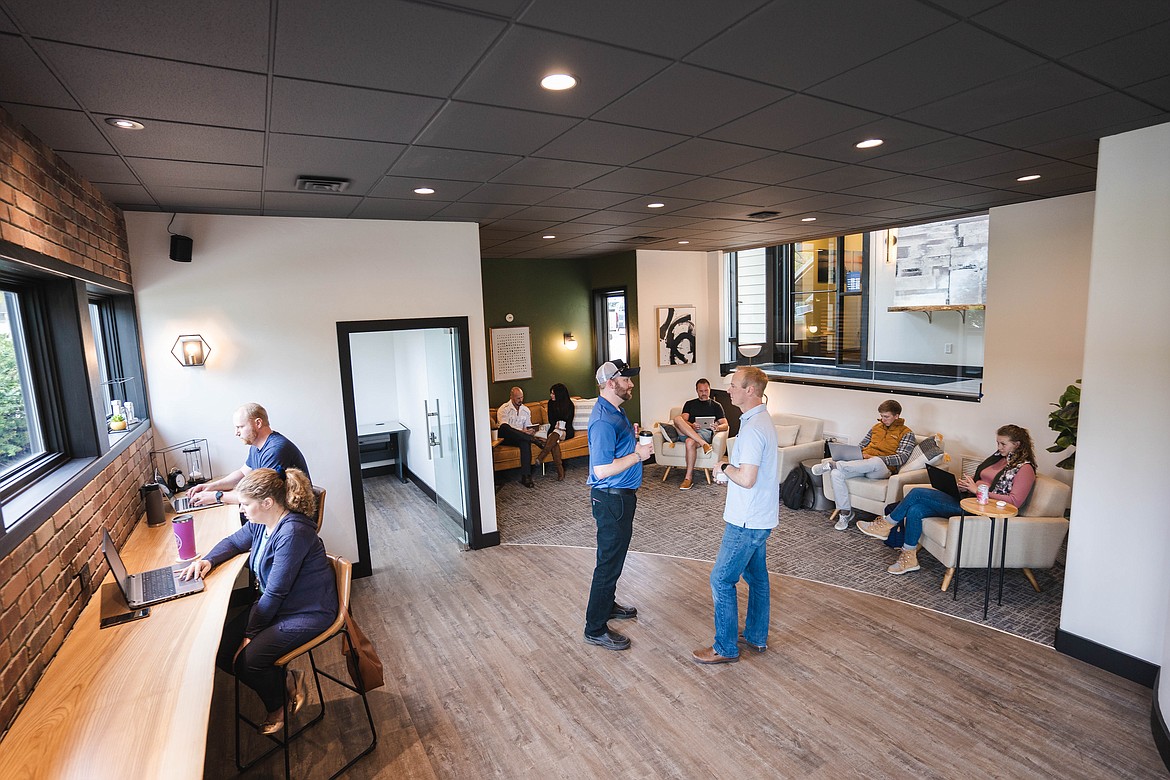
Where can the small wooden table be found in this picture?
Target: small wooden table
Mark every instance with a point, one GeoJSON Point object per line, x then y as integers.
{"type": "Point", "coordinates": [992, 511]}
{"type": "Point", "coordinates": [132, 700]}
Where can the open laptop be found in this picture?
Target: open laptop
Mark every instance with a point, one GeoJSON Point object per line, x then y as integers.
{"type": "Point", "coordinates": [149, 587]}
{"type": "Point", "coordinates": [846, 452]}
{"type": "Point", "coordinates": [944, 481]}
{"type": "Point", "coordinates": [704, 423]}
{"type": "Point", "coordinates": [182, 504]}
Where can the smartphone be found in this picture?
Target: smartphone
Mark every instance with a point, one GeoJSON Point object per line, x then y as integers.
{"type": "Point", "coordinates": [125, 617]}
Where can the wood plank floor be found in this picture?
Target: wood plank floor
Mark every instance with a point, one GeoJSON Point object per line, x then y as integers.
{"type": "Point", "coordinates": [487, 676]}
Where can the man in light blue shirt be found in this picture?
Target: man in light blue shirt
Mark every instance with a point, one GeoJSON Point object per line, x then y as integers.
{"type": "Point", "coordinates": [750, 514]}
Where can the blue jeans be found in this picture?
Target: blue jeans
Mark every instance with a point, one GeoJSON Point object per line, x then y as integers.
{"type": "Point", "coordinates": [614, 514]}
{"type": "Point", "coordinates": [741, 553]}
{"type": "Point", "coordinates": [918, 504]}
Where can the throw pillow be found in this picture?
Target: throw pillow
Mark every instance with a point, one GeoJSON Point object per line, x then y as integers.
{"type": "Point", "coordinates": [786, 435]}
{"type": "Point", "coordinates": [582, 408]}
{"type": "Point", "coordinates": [918, 458]}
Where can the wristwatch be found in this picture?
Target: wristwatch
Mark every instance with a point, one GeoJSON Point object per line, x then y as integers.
{"type": "Point", "coordinates": [218, 496]}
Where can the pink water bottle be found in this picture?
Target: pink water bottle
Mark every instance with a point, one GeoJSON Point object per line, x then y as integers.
{"type": "Point", "coordinates": [184, 528]}
{"type": "Point", "coordinates": [981, 493]}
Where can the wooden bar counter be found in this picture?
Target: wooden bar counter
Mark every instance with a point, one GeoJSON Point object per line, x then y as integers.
{"type": "Point", "coordinates": [133, 700]}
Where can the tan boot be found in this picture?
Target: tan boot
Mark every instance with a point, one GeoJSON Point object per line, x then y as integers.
{"type": "Point", "coordinates": [549, 443]}
{"type": "Point", "coordinates": [906, 563]}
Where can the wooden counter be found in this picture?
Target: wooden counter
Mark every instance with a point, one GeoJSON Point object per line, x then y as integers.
{"type": "Point", "coordinates": [131, 701]}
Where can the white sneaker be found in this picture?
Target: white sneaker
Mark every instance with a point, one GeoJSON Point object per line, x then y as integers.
{"type": "Point", "coordinates": [821, 468]}
{"type": "Point", "coordinates": [843, 521]}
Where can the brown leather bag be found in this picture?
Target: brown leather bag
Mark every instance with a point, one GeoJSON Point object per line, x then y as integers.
{"type": "Point", "coordinates": [365, 667]}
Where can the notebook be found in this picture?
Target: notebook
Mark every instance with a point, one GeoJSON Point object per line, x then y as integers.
{"type": "Point", "coordinates": [149, 587]}
{"type": "Point", "coordinates": [846, 452]}
{"type": "Point", "coordinates": [944, 481]}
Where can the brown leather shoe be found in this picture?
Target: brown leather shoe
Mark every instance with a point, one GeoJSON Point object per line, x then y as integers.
{"type": "Point", "coordinates": [707, 655]}
{"type": "Point", "coordinates": [706, 448]}
{"type": "Point", "coordinates": [686, 485]}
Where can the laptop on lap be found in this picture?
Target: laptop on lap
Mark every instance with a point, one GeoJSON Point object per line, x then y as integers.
{"type": "Point", "coordinates": [149, 587]}
{"type": "Point", "coordinates": [944, 481]}
{"type": "Point", "coordinates": [846, 452]}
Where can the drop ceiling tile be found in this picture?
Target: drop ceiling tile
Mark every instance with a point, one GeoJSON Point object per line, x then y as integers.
{"type": "Point", "coordinates": [313, 204]}
{"type": "Point", "coordinates": [1156, 91]}
{"type": "Point", "coordinates": [707, 189]}
{"type": "Point", "coordinates": [609, 218]}
{"type": "Point", "coordinates": [778, 168]}
{"type": "Point", "coordinates": [361, 162]}
{"type": "Point", "coordinates": [191, 174]}
{"type": "Point", "coordinates": [587, 199]}
{"type": "Point", "coordinates": [1087, 116]}
{"type": "Point", "coordinates": [568, 228]}
{"type": "Point", "coordinates": [197, 143]}
{"type": "Point", "coordinates": [403, 187]}
{"type": "Point", "coordinates": [943, 192]}
{"type": "Point", "coordinates": [1047, 171]}
{"type": "Point", "coordinates": [1130, 60]}
{"type": "Point", "coordinates": [113, 84]}
{"type": "Point", "coordinates": [716, 211]}
{"type": "Point", "coordinates": [840, 178]}
{"type": "Point", "coordinates": [702, 156]}
{"type": "Point", "coordinates": [1067, 148]}
{"type": "Point", "coordinates": [1003, 162]}
{"type": "Point", "coordinates": [670, 28]}
{"type": "Point", "coordinates": [519, 194]}
{"type": "Point", "coordinates": [665, 101]}
{"type": "Point", "coordinates": [188, 198]}
{"type": "Point", "coordinates": [310, 108]}
{"type": "Point", "coordinates": [608, 144]}
{"type": "Point", "coordinates": [792, 122]}
{"type": "Point", "coordinates": [666, 221]}
{"type": "Point", "coordinates": [61, 129]}
{"type": "Point", "coordinates": [100, 168]}
{"type": "Point", "coordinates": [796, 44]}
{"type": "Point", "coordinates": [1038, 25]}
{"type": "Point", "coordinates": [527, 225]}
{"type": "Point", "coordinates": [819, 202]}
{"type": "Point", "coordinates": [492, 129]}
{"type": "Point", "coordinates": [552, 173]}
{"type": "Point", "coordinates": [909, 212]}
{"type": "Point", "coordinates": [996, 198]}
{"type": "Point", "coordinates": [891, 188]}
{"type": "Point", "coordinates": [966, 8]}
{"type": "Point", "coordinates": [510, 73]}
{"type": "Point", "coordinates": [505, 8]}
{"type": "Point", "coordinates": [928, 156]}
{"type": "Point", "coordinates": [424, 161]}
{"type": "Point", "coordinates": [131, 196]}
{"type": "Point", "coordinates": [1060, 185]}
{"type": "Point", "coordinates": [896, 134]}
{"type": "Point", "coordinates": [7, 26]}
{"type": "Point", "coordinates": [393, 45]}
{"type": "Point", "coordinates": [25, 79]}
{"type": "Point", "coordinates": [397, 208]}
{"type": "Point", "coordinates": [767, 197]}
{"type": "Point", "coordinates": [1022, 94]}
{"type": "Point", "coordinates": [549, 213]}
{"type": "Point", "coordinates": [959, 57]}
{"type": "Point", "coordinates": [640, 205]}
{"type": "Point", "coordinates": [636, 180]}
{"type": "Point", "coordinates": [864, 207]}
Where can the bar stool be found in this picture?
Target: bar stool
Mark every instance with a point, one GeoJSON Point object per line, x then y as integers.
{"type": "Point", "coordinates": [343, 571]}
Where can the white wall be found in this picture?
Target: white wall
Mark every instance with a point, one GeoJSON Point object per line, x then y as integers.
{"type": "Point", "coordinates": [1033, 338]}
{"type": "Point", "coordinates": [1118, 576]}
{"type": "Point", "coordinates": [676, 278]}
{"type": "Point", "coordinates": [375, 393]}
{"type": "Point", "coordinates": [412, 389]}
{"type": "Point", "coordinates": [266, 293]}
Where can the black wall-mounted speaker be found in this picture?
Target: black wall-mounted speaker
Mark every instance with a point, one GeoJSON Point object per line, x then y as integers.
{"type": "Point", "coordinates": [181, 249]}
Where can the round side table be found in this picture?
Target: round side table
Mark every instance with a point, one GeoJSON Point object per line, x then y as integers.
{"type": "Point", "coordinates": [993, 511]}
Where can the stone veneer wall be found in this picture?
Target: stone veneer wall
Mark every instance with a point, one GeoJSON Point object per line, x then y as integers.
{"type": "Point", "coordinates": [46, 207]}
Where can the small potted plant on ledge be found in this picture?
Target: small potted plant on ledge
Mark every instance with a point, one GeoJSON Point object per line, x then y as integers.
{"type": "Point", "coordinates": [118, 423]}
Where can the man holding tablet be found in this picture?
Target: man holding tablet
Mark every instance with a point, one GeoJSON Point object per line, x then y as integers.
{"type": "Point", "coordinates": [700, 420]}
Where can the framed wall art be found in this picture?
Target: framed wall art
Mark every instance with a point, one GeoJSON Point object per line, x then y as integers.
{"type": "Point", "coordinates": [676, 335]}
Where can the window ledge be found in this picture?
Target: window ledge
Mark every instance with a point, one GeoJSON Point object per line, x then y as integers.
{"type": "Point", "coordinates": [25, 512]}
{"type": "Point", "coordinates": [957, 390]}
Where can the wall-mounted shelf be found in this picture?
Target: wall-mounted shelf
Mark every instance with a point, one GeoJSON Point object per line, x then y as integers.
{"type": "Point", "coordinates": [961, 308]}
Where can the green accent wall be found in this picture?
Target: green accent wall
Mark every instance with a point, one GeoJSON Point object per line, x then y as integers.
{"type": "Point", "coordinates": [554, 297]}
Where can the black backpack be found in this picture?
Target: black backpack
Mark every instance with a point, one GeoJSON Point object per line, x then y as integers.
{"type": "Point", "coordinates": [797, 489]}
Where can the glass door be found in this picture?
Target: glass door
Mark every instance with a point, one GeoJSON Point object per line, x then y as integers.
{"type": "Point", "coordinates": [444, 414]}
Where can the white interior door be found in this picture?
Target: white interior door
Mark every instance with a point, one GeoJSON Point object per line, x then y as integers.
{"type": "Point", "coordinates": [444, 415]}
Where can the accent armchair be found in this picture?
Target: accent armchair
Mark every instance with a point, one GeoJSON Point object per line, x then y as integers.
{"type": "Point", "coordinates": [676, 456]}
{"type": "Point", "coordinates": [873, 495]}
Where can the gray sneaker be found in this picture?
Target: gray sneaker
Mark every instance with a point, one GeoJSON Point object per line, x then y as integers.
{"type": "Point", "coordinates": [823, 468]}
{"type": "Point", "coordinates": [843, 521]}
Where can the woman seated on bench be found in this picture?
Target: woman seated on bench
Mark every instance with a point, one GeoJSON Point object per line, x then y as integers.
{"type": "Point", "coordinates": [1009, 474]}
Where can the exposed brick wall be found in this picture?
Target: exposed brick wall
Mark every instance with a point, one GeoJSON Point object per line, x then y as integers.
{"type": "Point", "coordinates": [46, 207]}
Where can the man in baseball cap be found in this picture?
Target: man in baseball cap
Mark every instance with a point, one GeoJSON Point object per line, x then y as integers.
{"type": "Point", "coordinates": [615, 474]}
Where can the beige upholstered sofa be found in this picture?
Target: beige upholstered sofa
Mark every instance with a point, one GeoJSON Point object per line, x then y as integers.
{"type": "Point", "coordinates": [676, 456]}
{"type": "Point", "coordinates": [507, 456]}
{"type": "Point", "coordinates": [1034, 536]}
{"type": "Point", "coordinates": [872, 495]}
{"type": "Point", "coordinates": [800, 438]}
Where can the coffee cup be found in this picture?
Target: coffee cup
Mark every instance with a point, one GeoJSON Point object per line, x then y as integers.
{"type": "Point", "coordinates": [645, 438]}
{"type": "Point", "coordinates": [184, 528]}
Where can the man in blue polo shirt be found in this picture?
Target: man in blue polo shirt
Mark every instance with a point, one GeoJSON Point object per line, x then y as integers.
{"type": "Point", "coordinates": [615, 474]}
{"type": "Point", "coordinates": [750, 514]}
{"type": "Point", "coordinates": [267, 449]}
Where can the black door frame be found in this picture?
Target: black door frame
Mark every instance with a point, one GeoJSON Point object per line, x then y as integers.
{"type": "Point", "coordinates": [473, 523]}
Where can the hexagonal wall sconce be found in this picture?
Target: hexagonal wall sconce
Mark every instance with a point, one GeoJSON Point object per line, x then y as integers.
{"type": "Point", "coordinates": [191, 350]}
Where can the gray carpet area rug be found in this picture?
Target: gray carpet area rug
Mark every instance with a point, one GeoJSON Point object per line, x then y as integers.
{"type": "Point", "coordinates": [689, 524]}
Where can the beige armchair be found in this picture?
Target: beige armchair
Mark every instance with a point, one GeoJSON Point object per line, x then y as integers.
{"type": "Point", "coordinates": [809, 444]}
{"type": "Point", "coordinates": [676, 456]}
{"type": "Point", "coordinates": [1034, 536]}
{"type": "Point", "coordinates": [873, 495]}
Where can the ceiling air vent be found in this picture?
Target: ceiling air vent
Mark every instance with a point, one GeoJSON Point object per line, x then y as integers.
{"type": "Point", "coordinates": [321, 184]}
{"type": "Point", "coordinates": [763, 214]}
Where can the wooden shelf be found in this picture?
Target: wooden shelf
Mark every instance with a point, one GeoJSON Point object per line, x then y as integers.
{"type": "Point", "coordinates": [961, 308]}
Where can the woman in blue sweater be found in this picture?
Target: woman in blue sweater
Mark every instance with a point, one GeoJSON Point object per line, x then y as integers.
{"type": "Point", "coordinates": [298, 591]}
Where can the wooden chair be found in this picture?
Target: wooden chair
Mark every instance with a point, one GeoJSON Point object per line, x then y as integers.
{"type": "Point", "coordinates": [319, 494]}
{"type": "Point", "coordinates": [343, 570]}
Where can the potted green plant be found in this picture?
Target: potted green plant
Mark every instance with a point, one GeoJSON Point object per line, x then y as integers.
{"type": "Point", "coordinates": [1064, 421]}
{"type": "Point", "coordinates": [118, 423]}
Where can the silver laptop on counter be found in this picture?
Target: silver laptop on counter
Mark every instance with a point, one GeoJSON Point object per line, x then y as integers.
{"type": "Point", "coordinates": [149, 587]}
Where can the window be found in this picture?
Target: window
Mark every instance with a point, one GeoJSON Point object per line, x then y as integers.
{"type": "Point", "coordinates": [900, 309]}
{"type": "Point", "coordinates": [21, 440]}
{"type": "Point", "coordinates": [609, 320]}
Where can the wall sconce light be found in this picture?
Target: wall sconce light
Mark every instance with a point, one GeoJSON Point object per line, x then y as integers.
{"type": "Point", "coordinates": [570, 342]}
{"type": "Point", "coordinates": [191, 350]}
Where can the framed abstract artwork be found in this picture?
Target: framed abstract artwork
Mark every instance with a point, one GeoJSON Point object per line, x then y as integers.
{"type": "Point", "coordinates": [676, 335]}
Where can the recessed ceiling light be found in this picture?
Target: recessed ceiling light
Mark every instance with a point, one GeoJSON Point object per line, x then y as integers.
{"type": "Point", "coordinates": [124, 124]}
{"type": "Point", "coordinates": [558, 81]}
{"type": "Point", "coordinates": [684, 242]}
{"type": "Point", "coordinates": [1029, 177]}
{"type": "Point", "coordinates": [655, 205]}
{"type": "Point", "coordinates": [809, 219]}
{"type": "Point", "coordinates": [424, 191]}
{"type": "Point", "coordinates": [870, 143]}
{"type": "Point", "coordinates": [548, 236]}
